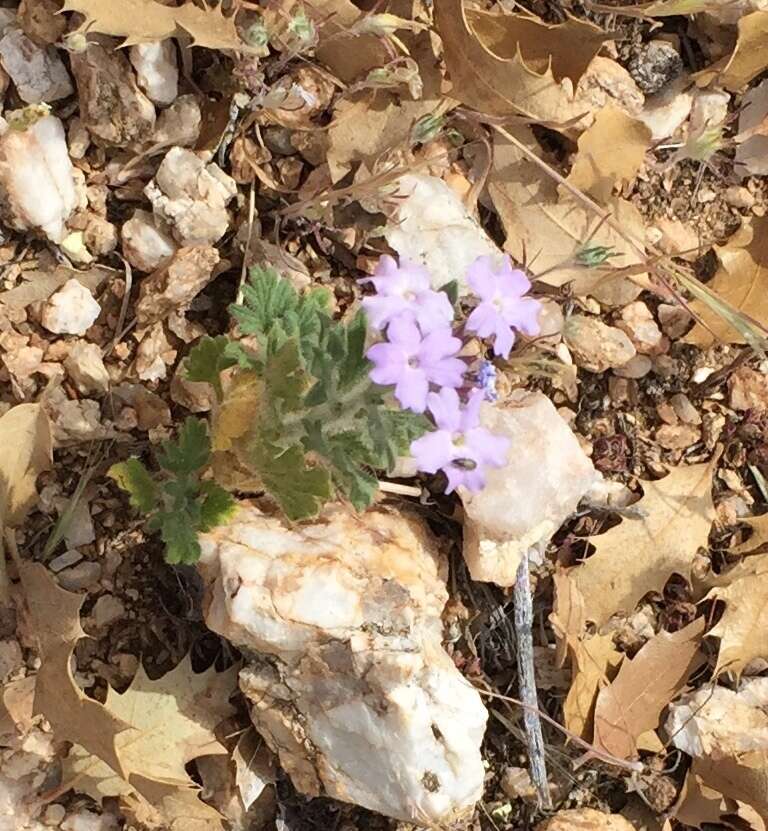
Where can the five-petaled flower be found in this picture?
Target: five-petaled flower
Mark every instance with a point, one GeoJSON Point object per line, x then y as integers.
{"type": "Point", "coordinates": [404, 291]}
{"type": "Point", "coordinates": [412, 360]}
{"type": "Point", "coordinates": [502, 307]}
{"type": "Point", "coordinates": [460, 447]}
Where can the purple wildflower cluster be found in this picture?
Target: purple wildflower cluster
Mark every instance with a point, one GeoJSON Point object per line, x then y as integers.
{"type": "Point", "coordinates": [420, 358]}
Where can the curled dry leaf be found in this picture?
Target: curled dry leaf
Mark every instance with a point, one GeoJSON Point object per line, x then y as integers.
{"type": "Point", "coordinates": [631, 706]}
{"type": "Point", "coordinates": [638, 556]}
{"type": "Point", "coordinates": [507, 64]}
{"type": "Point", "coordinates": [741, 280]}
{"type": "Point", "coordinates": [25, 452]}
{"type": "Point", "coordinates": [610, 153]}
{"type": "Point", "coordinates": [748, 59]}
{"type": "Point", "coordinates": [547, 230]}
{"type": "Point", "coordinates": [742, 628]}
{"type": "Point", "coordinates": [145, 21]}
{"type": "Point", "coordinates": [594, 663]}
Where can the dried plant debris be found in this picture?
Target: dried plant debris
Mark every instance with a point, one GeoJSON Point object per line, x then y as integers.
{"type": "Point", "coordinates": [365, 370]}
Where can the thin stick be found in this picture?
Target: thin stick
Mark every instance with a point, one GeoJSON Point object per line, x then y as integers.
{"type": "Point", "coordinates": [527, 682]}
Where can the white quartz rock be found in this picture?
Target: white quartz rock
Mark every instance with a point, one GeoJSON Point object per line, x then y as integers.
{"type": "Point", "coordinates": [85, 367]}
{"type": "Point", "coordinates": [191, 196]}
{"type": "Point", "coordinates": [37, 178]}
{"type": "Point", "coordinates": [349, 682]}
{"type": "Point", "coordinates": [720, 723]}
{"type": "Point", "coordinates": [432, 227]}
{"type": "Point", "coordinates": [527, 500]}
{"type": "Point", "coordinates": [146, 244]}
{"type": "Point", "coordinates": [37, 72]}
{"type": "Point", "coordinates": [72, 310]}
{"type": "Point", "coordinates": [157, 70]}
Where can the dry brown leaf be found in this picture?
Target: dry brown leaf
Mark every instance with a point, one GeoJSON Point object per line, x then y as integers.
{"type": "Point", "coordinates": [639, 555]}
{"type": "Point", "coordinates": [610, 153]}
{"type": "Point", "coordinates": [498, 85]}
{"type": "Point", "coordinates": [759, 538]}
{"type": "Point", "coordinates": [665, 8]}
{"type": "Point", "coordinates": [744, 780]}
{"type": "Point", "coordinates": [53, 619]}
{"type": "Point", "coordinates": [565, 48]}
{"type": "Point", "coordinates": [632, 705]}
{"type": "Point", "coordinates": [748, 59]}
{"type": "Point", "coordinates": [594, 664]}
{"type": "Point", "coordinates": [145, 21]}
{"type": "Point", "coordinates": [153, 728]}
{"type": "Point", "coordinates": [698, 803]}
{"type": "Point", "coordinates": [176, 715]}
{"type": "Point", "coordinates": [741, 280]}
{"type": "Point", "coordinates": [546, 230]}
{"type": "Point", "coordinates": [569, 618]}
{"type": "Point", "coordinates": [40, 285]}
{"type": "Point", "coordinates": [349, 58]}
{"type": "Point", "coordinates": [25, 452]}
{"type": "Point", "coordinates": [743, 628]}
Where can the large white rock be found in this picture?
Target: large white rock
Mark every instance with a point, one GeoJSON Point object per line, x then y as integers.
{"type": "Point", "coordinates": [433, 227]}
{"type": "Point", "coordinates": [191, 196]}
{"type": "Point", "coordinates": [527, 500]}
{"type": "Point", "coordinates": [349, 682]}
{"type": "Point", "coordinates": [37, 178]}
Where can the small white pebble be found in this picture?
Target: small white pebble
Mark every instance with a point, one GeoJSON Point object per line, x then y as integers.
{"type": "Point", "coordinates": [701, 374]}
{"type": "Point", "coordinates": [72, 310]}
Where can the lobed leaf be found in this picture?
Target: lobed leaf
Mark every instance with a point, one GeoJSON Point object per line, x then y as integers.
{"type": "Point", "coordinates": [136, 480]}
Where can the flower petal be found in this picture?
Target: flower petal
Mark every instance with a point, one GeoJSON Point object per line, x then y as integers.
{"type": "Point", "coordinates": [404, 332]}
{"type": "Point", "coordinates": [483, 320]}
{"type": "Point", "coordinates": [382, 309]}
{"type": "Point", "coordinates": [411, 389]}
{"type": "Point", "coordinates": [487, 448]}
{"type": "Point", "coordinates": [389, 360]}
{"type": "Point", "coordinates": [433, 451]}
{"type": "Point", "coordinates": [438, 345]}
{"type": "Point", "coordinates": [449, 372]}
{"type": "Point", "coordinates": [470, 416]}
{"type": "Point", "coordinates": [504, 340]}
{"type": "Point", "coordinates": [445, 409]}
{"type": "Point", "coordinates": [482, 279]}
{"type": "Point", "coordinates": [433, 310]}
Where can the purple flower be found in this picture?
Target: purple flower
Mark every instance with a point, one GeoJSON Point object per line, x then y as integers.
{"type": "Point", "coordinates": [460, 447]}
{"type": "Point", "coordinates": [412, 361]}
{"type": "Point", "coordinates": [502, 307]}
{"type": "Point", "coordinates": [405, 290]}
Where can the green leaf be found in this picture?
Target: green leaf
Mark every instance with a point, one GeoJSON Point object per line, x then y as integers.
{"type": "Point", "coordinates": [392, 431]}
{"type": "Point", "coordinates": [285, 378]}
{"type": "Point", "coordinates": [135, 479]}
{"type": "Point", "coordinates": [354, 364]}
{"type": "Point", "coordinates": [267, 298]}
{"type": "Point", "coordinates": [208, 359]}
{"type": "Point", "coordinates": [274, 312]}
{"type": "Point", "coordinates": [179, 533]}
{"type": "Point", "coordinates": [452, 290]}
{"type": "Point", "coordinates": [358, 485]}
{"type": "Point", "coordinates": [300, 489]}
{"type": "Point", "coordinates": [218, 506]}
{"type": "Point", "coordinates": [190, 451]}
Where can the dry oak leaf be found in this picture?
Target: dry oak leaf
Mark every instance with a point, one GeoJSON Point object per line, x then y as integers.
{"type": "Point", "coordinates": [546, 230]}
{"type": "Point", "coordinates": [176, 715]}
{"type": "Point", "coordinates": [639, 555]}
{"type": "Point", "coordinates": [743, 628]}
{"type": "Point", "coordinates": [502, 82]}
{"type": "Point", "coordinates": [744, 780]}
{"type": "Point", "coordinates": [25, 452]}
{"type": "Point", "coordinates": [52, 617]}
{"type": "Point", "coordinates": [594, 663]}
{"type": "Point", "coordinates": [610, 153]}
{"type": "Point", "coordinates": [632, 704]}
{"type": "Point", "coordinates": [741, 280]}
{"type": "Point", "coordinates": [748, 59]}
{"type": "Point", "coordinates": [698, 803]}
{"type": "Point", "coordinates": [664, 8]}
{"type": "Point", "coordinates": [145, 21]}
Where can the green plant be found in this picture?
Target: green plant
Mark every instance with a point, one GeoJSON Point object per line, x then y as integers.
{"type": "Point", "coordinates": [298, 412]}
